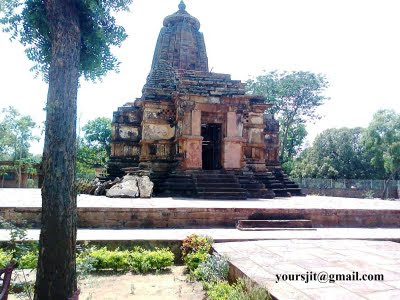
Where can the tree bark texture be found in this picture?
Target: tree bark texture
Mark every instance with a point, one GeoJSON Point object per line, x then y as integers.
{"type": "Point", "coordinates": [56, 272]}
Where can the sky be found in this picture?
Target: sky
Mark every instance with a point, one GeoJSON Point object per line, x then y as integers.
{"type": "Point", "coordinates": [355, 43]}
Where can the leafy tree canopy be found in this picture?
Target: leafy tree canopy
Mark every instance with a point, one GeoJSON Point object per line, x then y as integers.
{"type": "Point", "coordinates": [16, 134]}
{"type": "Point", "coordinates": [354, 153]}
{"type": "Point", "coordinates": [26, 21]}
{"type": "Point", "coordinates": [382, 141]}
{"type": "Point", "coordinates": [335, 153]}
{"type": "Point", "coordinates": [95, 147]}
{"type": "Point", "coordinates": [295, 97]}
{"type": "Point", "coordinates": [98, 133]}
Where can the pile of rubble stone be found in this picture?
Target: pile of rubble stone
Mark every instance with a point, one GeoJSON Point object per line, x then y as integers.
{"type": "Point", "coordinates": [136, 184]}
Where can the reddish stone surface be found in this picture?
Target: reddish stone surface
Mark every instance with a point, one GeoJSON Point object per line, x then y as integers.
{"type": "Point", "coordinates": [213, 217]}
{"type": "Point", "coordinates": [162, 130]}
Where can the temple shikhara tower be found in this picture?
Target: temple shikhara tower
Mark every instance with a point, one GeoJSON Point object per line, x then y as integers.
{"type": "Point", "coordinates": [198, 132]}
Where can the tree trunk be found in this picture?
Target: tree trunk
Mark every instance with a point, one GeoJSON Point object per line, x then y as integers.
{"type": "Point", "coordinates": [284, 140]}
{"type": "Point", "coordinates": [386, 184]}
{"type": "Point", "coordinates": [56, 272]}
{"type": "Point", "coordinates": [19, 176]}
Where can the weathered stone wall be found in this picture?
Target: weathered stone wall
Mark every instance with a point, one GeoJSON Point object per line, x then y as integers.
{"type": "Point", "coordinates": [207, 217]}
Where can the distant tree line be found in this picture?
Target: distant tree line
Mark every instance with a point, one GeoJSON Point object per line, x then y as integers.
{"type": "Point", "coordinates": [16, 134]}
{"type": "Point", "coordinates": [352, 153]}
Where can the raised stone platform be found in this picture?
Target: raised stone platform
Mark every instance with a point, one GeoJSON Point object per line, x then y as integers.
{"type": "Point", "coordinates": [262, 261]}
{"type": "Point", "coordinates": [102, 212]}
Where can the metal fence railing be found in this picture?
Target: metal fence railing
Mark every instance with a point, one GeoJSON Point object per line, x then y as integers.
{"type": "Point", "coordinates": [317, 183]}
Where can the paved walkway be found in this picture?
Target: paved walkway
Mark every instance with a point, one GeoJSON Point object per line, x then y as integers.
{"type": "Point", "coordinates": [225, 235]}
{"type": "Point", "coordinates": [32, 198]}
{"type": "Point", "coordinates": [262, 261]}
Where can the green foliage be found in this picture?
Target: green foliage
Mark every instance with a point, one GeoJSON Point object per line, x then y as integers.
{"type": "Point", "coordinates": [240, 290]}
{"type": "Point", "coordinates": [196, 243]}
{"type": "Point", "coordinates": [382, 141]}
{"type": "Point", "coordinates": [98, 133]}
{"type": "Point", "coordinates": [138, 260]}
{"type": "Point", "coordinates": [95, 148]}
{"type": "Point", "coordinates": [26, 21]}
{"type": "Point", "coordinates": [335, 153]}
{"type": "Point", "coordinates": [194, 259]}
{"type": "Point", "coordinates": [5, 258]}
{"type": "Point", "coordinates": [354, 153]}
{"type": "Point", "coordinates": [158, 259]}
{"type": "Point", "coordinates": [15, 134]}
{"type": "Point", "coordinates": [221, 291]}
{"type": "Point", "coordinates": [105, 259]}
{"type": "Point", "coordinates": [214, 268]}
{"type": "Point", "coordinates": [295, 97]}
{"type": "Point", "coordinates": [29, 260]}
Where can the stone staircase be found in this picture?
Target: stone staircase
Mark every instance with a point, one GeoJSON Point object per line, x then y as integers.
{"type": "Point", "coordinates": [259, 222]}
{"type": "Point", "coordinates": [292, 187]}
{"type": "Point", "coordinates": [273, 184]}
{"type": "Point", "coordinates": [225, 185]}
{"type": "Point", "coordinates": [177, 185]}
{"type": "Point", "coordinates": [218, 185]}
{"type": "Point", "coordinates": [254, 188]}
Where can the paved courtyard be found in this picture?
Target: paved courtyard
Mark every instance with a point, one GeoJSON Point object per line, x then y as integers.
{"type": "Point", "coordinates": [32, 198]}
{"type": "Point", "coordinates": [263, 261]}
{"type": "Point", "coordinates": [262, 255]}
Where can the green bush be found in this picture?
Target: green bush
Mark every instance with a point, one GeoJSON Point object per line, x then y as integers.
{"type": "Point", "coordinates": [29, 260]}
{"type": "Point", "coordinates": [196, 243]}
{"type": "Point", "coordinates": [221, 291]}
{"type": "Point", "coordinates": [194, 259]}
{"type": "Point", "coordinates": [105, 259]}
{"type": "Point", "coordinates": [5, 258]}
{"type": "Point", "coordinates": [138, 260]}
{"type": "Point", "coordinates": [214, 268]}
{"type": "Point", "coordinates": [240, 290]}
{"type": "Point", "coordinates": [158, 259]}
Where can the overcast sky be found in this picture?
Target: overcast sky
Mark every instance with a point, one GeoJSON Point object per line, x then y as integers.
{"type": "Point", "coordinates": [355, 43]}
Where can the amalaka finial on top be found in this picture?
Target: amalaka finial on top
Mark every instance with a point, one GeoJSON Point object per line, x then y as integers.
{"type": "Point", "coordinates": [182, 5]}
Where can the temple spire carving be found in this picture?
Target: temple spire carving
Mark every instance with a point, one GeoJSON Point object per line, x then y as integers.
{"type": "Point", "coordinates": [180, 43]}
{"type": "Point", "coordinates": [182, 5]}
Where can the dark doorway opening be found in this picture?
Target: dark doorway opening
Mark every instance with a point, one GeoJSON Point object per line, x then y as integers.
{"type": "Point", "coordinates": [211, 150]}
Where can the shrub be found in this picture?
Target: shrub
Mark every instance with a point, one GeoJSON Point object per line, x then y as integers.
{"type": "Point", "coordinates": [29, 260]}
{"type": "Point", "coordinates": [105, 259]}
{"type": "Point", "coordinates": [138, 260]}
{"type": "Point", "coordinates": [196, 243]}
{"type": "Point", "coordinates": [5, 258]}
{"type": "Point", "coordinates": [221, 291]}
{"type": "Point", "coordinates": [240, 290]}
{"type": "Point", "coordinates": [194, 259]}
{"type": "Point", "coordinates": [213, 268]}
{"type": "Point", "coordinates": [137, 263]}
{"type": "Point", "coordinates": [158, 259]}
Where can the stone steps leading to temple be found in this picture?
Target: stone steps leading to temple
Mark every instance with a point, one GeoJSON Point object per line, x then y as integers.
{"type": "Point", "coordinates": [178, 185]}
{"type": "Point", "coordinates": [218, 185]}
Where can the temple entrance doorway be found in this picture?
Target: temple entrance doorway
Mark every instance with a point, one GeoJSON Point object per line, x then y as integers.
{"type": "Point", "coordinates": [211, 148]}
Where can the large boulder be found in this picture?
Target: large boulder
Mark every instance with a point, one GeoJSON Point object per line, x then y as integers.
{"type": "Point", "coordinates": [127, 188]}
{"type": "Point", "coordinates": [145, 186]}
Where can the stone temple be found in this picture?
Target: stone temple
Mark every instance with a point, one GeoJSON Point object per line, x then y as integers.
{"type": "Point", "coordinates": [198, 132]}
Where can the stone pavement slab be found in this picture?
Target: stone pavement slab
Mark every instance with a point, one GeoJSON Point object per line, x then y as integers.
{"type": "Point", "coordinates": [229, 235]}
{"type": "Point", "coordinates": [263, 261]}
{"type": "Point", "coordinates": [32, 198]}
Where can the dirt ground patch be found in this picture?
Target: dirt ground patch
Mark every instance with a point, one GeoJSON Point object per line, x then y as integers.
{"type": "Point", "coordinates": [169, 285]}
